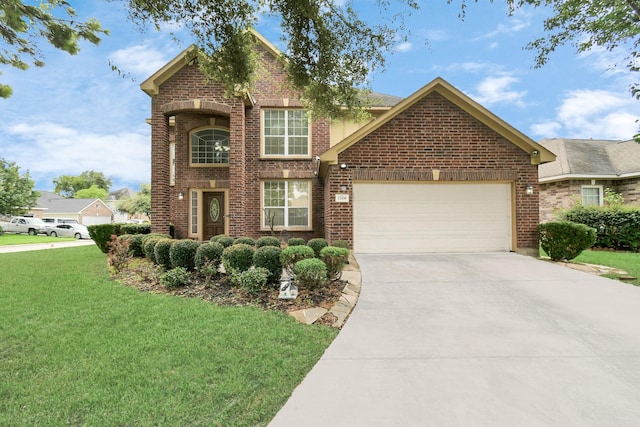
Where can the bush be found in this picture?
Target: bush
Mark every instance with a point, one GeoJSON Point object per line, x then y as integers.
{"type": "Point", "coordinates": [237, 258]}
{"type": "Point", "coordinates": [119, 254]}
{"type": "Point", "coordinates": [617, 227]}
{"type": "Point", "coordinates": [335, 259]}
{"type": "Point", "coordinates": [162, 253]}
{"type": "Point", "coordinates": [149, 248]}
{"type": "Point", "coordinates": [223, 239]}
{"type": "Point", "coordinates": [296, 241]}
{"type": "Point", "coordinates": [310, 273]}
{"type": "Point", "coordinates": [209, 253]}
{"type": "Point", "coordinates": [183, 254]}
{"type": "Point", "coordinates": [268, 241]}
{"type": "Point", "coordinates": [340, 244]}
{"type": "Point", "coordinates": [135, 245]}
{"type": "Point", "coordinates": [317, 244]}
{"type": "Point", "coordinates": [252, 281]}
{"type": "Point", "coordinates": [565, 240]}
{"type": "Point", "coordinates": [127, 228]}
{"type": "Point", "coordinates": [268, 257]}
{"type": "Point", "coordinates": [101, 234]}
{"type": "Point", "coordinates": [291, 255]}
{"type": "Point", "coordinates": [146, 237]}
{"type": "Point", "coordinates": [175, 278]}
{"type": "Point", "coordinates": [244, 241]}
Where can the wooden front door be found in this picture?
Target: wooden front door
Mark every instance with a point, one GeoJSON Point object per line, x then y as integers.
{"type": "Point", "coordinates": [213, 214]}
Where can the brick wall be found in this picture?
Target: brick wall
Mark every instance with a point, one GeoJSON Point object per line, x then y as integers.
{"type": "Point", "coordinates": [434, 134]}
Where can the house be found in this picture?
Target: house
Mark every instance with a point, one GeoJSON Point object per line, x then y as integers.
{"type": "Point", "coordinates": [115, 197]}
{"type": "Point", "coordinates": [86, 211]}
{"type": "Point", "coordinates": [435, 172]}
{"type": "Point", "coordinates": [584, 169]}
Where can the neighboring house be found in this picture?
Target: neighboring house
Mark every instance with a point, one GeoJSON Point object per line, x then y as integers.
{"type": "Point", "coordinates": [435, 172]}
{"type": "Point", "coordinates": [115, 197]}
{"type": "Point", "coordinates": [584, 169]}
{"type": "Point", "coordinates": [86, 211]}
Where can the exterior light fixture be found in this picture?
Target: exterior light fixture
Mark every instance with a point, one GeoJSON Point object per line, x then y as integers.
{"type": "Point", "coordinates": [181, 196]}
{"type": "Point", "coordinates": [343, 166]}
{"type": "Point", "coordinates": [535, 152]}
{"type": "Point", "coordinates": [529, 189]}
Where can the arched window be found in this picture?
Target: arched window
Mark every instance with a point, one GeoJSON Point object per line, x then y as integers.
{"type": "Point", "coordinates": [210, 147]}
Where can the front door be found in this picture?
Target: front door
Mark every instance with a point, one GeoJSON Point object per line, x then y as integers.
{"type": "Point", "coordinates": [213, 214]}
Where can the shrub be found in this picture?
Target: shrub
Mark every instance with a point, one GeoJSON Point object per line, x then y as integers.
{"type": "Point", "coordinates": [209, 253]}
{"type": "Point", "coordinates": [135, 245]}
{"type": "Point", "coordinates": [223, 239]}
{"type": "Point", "coordinates": [175, 278]}
{"type": "Point", "coordinates": [340, 244]}
{"type": "Point", "coordinates": [310, 273]}
{"type": "Point", "coordinates": [252, 281]}
{"type": "Point", "coordinates": [564, 239]}
{"type": "Point", "coordinates": [135, 228]}
{"type": "Point", "coordinates": [149, 247]}
{"type": "Point", "coordinates": [183, 253]}
{"type": "Point", "coordinates": [268, 257]}
{"type": "Point", "coordinates": [237, 258]}
{"type": "Point", "coordinates": [291, 255]}
{"type": "Point", "coordinates": [268, 241]}
{"type": "Point", "coordinates": [617, 227]}
{"type": "Point", "coordinates": [146, 237]}
{"type": "Point", "coordinates": [335, 259]}
{"type": "Point", "coordinates": [101, 235]}
{"type": "Point", "coordinates": [119, 254]}
{"type": "Point", "coordinates": [244, 241]}
{"type": "Point", "coordinates": [317, 244]}
{"type": "Point", "coordinates": [162, 253]}
{"type": "Point", "coordinates": [296, 241]}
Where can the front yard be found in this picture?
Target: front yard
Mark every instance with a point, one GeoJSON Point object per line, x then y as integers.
{"type": "Point", "coordinates": [627, 261]}
{"type": "Point", "coordinates": [79, 349]}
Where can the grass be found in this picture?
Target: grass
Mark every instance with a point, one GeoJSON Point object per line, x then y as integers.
{"type": "Point", "coordinates": [24, 239]}
{"type": "Point", "coordinates": [78, 349]}
{"type": "Point", "coordinates": [627, 261]}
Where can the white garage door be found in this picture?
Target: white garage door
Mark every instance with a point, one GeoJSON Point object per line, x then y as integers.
{"type": "Point", "coordinates": [432, 217]}
{"type": "Point", "coordinates": [94, 220]}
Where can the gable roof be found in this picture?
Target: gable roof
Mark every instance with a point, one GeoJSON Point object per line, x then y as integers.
{"type": "Point", "coordinates": [538, 153]}
{"type": "Point", "coordinates": [591, 159]}
{"type": "Point", "coordinates": [55, 204]}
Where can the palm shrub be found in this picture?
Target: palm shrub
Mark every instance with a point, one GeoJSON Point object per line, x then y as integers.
{"type": "Point", "coordinates": [210, 253]}
{"type": "Point", "coordinates": [268, 257]}
{"type": "Point", "coordinates": [296, 241]}
{"type": "Point", "coordinates": [268, 241]}
{"type": "Point", "coordinates": [237, 258]}
{"type": "Point", "coordinates": [245, 241]}
{"type": "Point", "coordinates": [223, 239]}
{"type": "Point", "coordinates": [335, 259]}
{"type": "Point", "coordinates": [161, 252]}
{"type": "Point", "coordinates": [292, 254]}
{"type": "Point", "coordinates": [310, 273]}
{"type": "Point", "coordinates": [183, 253]}
{"type": "Point", "coordinates": [317, 244]}
{"type": "Point", "coordinates": [565, 240]}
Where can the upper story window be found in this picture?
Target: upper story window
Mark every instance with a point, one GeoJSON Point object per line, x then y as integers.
{"type": "Point", "coordinates": [592, 195]}
{"type": "Point", "coordinates": [285, 133]}
{"type": "Point", "coordinates": [210, 147]}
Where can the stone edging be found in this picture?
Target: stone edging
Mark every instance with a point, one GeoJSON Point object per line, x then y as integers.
{"type": "Point", "coordinates": [341, 309]}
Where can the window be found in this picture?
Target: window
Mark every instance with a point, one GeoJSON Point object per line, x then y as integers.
{"type": "Point", "coordinates": [172, 163]}
{"type": "Point", "coordinates": [591, 195]}
{"type": "Point", "coordinates": [286, 204]}
{"type": "Point", "coordinates": [210, 147]}
{"type": "Point", "coordinates": [194, 212]}
{"type": "Point", "coordinates": [285, 133]}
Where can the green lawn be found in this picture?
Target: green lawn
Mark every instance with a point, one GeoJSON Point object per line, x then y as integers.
{"type": "Point", "coordinates": [78, 349]}
{"type": "Point", "coordinates": [628, 261]}
{"type": "Point", "coordinates": [24, 239]}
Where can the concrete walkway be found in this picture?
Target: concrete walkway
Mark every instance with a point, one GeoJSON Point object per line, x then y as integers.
{"type": "Point", "coordinates": [42, 246]}
{"type": "Point", "coordinates": [478, 340]}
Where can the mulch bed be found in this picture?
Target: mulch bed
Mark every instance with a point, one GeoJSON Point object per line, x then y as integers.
{"type": "Point", "coordinates": [144, 276]}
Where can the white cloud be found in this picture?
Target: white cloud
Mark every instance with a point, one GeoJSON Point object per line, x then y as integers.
{"type": "Point", "coordinates": [589, 113]}
{"type": "Point", "coordinates": [515, 25]}
{"type": "Point", "coordinates": [404, 47]}
{"type": "Point", "coordinates": [140, 59]}
{"type": "Point", "coordinates": [497, 90]}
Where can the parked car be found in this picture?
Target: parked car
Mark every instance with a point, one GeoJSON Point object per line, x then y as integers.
{"type": "Point", "coordinates": [78, 231]}
{"type": "Point", "coordinates": [24, 224]}
{"type": "Point", "coordinates": [55, 221]}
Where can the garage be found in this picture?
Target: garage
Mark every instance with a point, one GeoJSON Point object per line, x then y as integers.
{"type": "Point", "coordinates": [415, 217]}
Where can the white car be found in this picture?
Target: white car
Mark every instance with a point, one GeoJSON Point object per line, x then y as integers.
{"type": "Point", "coordinates": [78, 231]}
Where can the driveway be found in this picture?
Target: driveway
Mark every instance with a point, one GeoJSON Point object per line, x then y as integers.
{"type": "Point", "coordinates": [478, 340]}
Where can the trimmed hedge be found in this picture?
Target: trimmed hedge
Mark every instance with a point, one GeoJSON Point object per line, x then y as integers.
{"type": "Point", "coordinates": [317, 244]}
{"type": "Point", "coordinates": [564, 240]}
{"type": "Point", "coordinates": [183, 253]}
{"type": "Point", "coordinates": [268, 257]}
{"type": "Point", "coordinates": [335, 259]}
{"type": "Point", "coordinates": [149, 248]}
{"type": "Point", "coordinates": [237, 258]}
{"type": "Point", "coordinates": [310, 273]}
{"type": "Point", "coordinates": [617, 227]}
{"type": "Point", "coordinates": [340, 244]}
{"type": "Point", "coordinates": [209, 252]}
{"type": "Point", "coordinates": [135, 245]}
{"type": "Point", "coordinates": [127, 228]}
{"type": "Point", "coordinates": [162, 253]}
{"type": "Point", "coordinates": [296, 241]}
{"type": "Point", "coordinates": [291, 255]}
{"type": "Point", "coordinates": [244, 241]}
{"type": "Point", "coordinates": [101, 233]}
{"type": "Point", "coordinates": [223, 239]}
{"type": "Point", "coordinates": [268, 241]}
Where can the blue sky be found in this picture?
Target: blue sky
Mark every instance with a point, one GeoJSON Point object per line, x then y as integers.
{"type": "Point", "coordinates": [77, 114]}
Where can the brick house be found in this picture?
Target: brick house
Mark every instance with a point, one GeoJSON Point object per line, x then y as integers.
{"type": "Point", "coordinates": [584, 169]}
{"type": "Point", "coordinates": [433, 172]}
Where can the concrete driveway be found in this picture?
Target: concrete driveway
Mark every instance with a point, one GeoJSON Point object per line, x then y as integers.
{"type": "Point", "coordinates": [478, 340]}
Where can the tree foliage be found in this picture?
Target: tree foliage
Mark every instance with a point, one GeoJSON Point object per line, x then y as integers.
{"type": "Point", "coordinates": [330, 52]}
{"type": "Point", "coordinates": [93, 192]}
{"type": "Point", "coordinates": [23, 25]}
{"type": "Point", "coordinates": [140, 203]}
{"type": "Point", "coordinates": [69, 185]}
{"type": "Point", "coordinates": [16, 191]}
